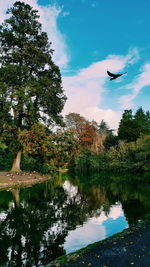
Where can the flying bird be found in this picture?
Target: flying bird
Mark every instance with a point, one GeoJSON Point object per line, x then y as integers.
{"type": "Point", "coordinates": [114, 76]}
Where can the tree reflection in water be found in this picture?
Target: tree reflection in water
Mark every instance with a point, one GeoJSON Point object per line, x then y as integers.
{"type": "Point", "coordinates": [35, 221]}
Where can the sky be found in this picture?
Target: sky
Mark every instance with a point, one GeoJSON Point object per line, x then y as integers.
{"type": "Point", "coordinates": [94, 228]}
{"type": "Point", "coordinates": [90, 37]}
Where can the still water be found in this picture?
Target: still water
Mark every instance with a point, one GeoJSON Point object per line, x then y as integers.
{"type": "Point", "coordinates": [45, 221]}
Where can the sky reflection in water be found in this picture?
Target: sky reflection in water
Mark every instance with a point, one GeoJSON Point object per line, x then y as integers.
{"type": "Point", "coordinates": [95, 228]}
{"type": "Point", "coordinates": [40, 223]}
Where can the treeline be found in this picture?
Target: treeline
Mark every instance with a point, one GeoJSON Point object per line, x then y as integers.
{"type": "Point", "coordinates": [82, 145]}
{"type": "Point", "coordinates": [129, 150]}
{"type": "Point", "coordinates": [125, 157]}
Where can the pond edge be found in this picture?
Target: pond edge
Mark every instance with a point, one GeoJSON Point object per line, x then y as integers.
{"type": "Point", "coordinates": [78, 253]}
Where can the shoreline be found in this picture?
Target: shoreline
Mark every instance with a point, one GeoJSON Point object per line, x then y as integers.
{"type": "Point", "coordinates": [110, 251]}
{"type": "Point", "coordinates": [21, 179]}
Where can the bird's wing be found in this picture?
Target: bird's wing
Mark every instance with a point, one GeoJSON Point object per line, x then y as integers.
{"type": "Point", "coordinates": [110, 74]}
{"type": "Point", "coordinates": [122, 74]}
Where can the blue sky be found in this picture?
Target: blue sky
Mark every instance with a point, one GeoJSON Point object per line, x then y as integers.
{"type": "Point", "coordinates": [91, 36]}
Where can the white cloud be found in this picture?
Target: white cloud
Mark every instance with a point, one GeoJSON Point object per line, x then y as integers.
{"type": "Point", "coordinates": [92, 230]}
{"type": "Point", "coordinates": [133, 56]}
{"type": "Point", "coordinates": [48, 17]}
{"type": "Point", "coordinates": [116, 211]}
{"type": "Point", "coordinates": [82, 236]}
{"type": "Point", "coordinates": [4, 5]}
{"type": "Point", "coordinates": [85, 90]}
{"type": "Point", "coordinates": [70, 189]}
{"type": "Point", "coordinates": [142, 80]}
{"type": "Point", "coordinates": [3, 216]}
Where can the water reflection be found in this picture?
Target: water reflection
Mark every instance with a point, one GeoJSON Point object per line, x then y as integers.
{"type": "Point", "coordinates": [45, 221]}
{"type": "Point", "coordinates": [96, 228]}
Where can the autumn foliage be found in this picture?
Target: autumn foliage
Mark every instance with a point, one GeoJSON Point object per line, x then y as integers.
{"type": "Point", "coordinates": [86, 132]}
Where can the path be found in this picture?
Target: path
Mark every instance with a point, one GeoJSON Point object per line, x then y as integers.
{"type": "Point", "coordinates": [132, 249]}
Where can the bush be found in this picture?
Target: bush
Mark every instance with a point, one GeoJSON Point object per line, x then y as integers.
{"type": "Point", "coordinates": [6, 159]}
{"type": "Point", "coordinates": [126, 157]}
{"type": "Point", "coordinates": [34, 163]}
{"type": "Point", "coordinates": [89, 162]}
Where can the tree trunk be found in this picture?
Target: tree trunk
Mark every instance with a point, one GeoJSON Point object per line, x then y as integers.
{"type": "Point", "coordinates": [16, 163]}
{"type": "Point", "coordinates": [16, 195]}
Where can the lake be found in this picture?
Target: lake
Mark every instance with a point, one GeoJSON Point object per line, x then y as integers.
{"type": "Point", "coordinates": [42, 222]}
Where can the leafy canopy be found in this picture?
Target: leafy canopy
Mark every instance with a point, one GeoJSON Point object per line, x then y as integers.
{"type": "Point", "coordinates": [32, 82]}
{"type": "Point", "coordinates": [132, 126]}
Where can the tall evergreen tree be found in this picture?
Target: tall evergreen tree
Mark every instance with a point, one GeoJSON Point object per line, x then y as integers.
{"type": "Point", "coordinates": [127, 127]}
{"type": "Point", "coordinates": [132, 126]}
{"type": "Point", "coordinates": [104, 128]}
{"type": "Point", "coordinates": [142, 120]}
{"type": "Point", "coordinates": [32, 82]}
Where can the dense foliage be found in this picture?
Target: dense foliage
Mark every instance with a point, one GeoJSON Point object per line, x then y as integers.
{"type": "Point", "coordinates": [132, 126]}
{"type": "Point", "coordinates": [87, 133]}
{"type": "Point", "coordinates": [129, 151]}
{"type": "Point", "coordinates": [133, 156]}
{"type": "Point", "coordinates": [83, 148]}
{"type": "Point", "coordinates": [30, 82]}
